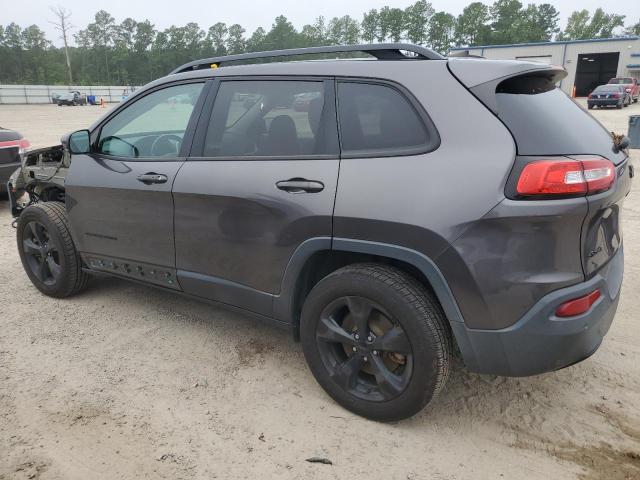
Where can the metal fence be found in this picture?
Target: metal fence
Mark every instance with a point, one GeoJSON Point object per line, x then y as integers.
{"type": "Point", "coordinates": [21, 94]}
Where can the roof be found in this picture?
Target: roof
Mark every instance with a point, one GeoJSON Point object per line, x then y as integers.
{"type": "Point", "coordinates": [560, 42]}
{"type": "Point", "coordinates": [306, 68]}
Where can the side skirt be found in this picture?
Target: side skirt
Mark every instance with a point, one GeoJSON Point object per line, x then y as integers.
{"type": "Point", "coordinates": [263, 318]}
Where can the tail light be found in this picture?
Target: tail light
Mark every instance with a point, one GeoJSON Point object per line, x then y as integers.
{"type": "Point", "coordinates": [566, 177]}
{"type": "Point", "coordinates": [578, 305]}
{"type": "Point", "coordinates": [23, 146]}
{"type": "Point", "coordinates": [615, 95]}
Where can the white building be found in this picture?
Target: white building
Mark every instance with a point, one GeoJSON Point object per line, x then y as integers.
{"type": "Point", "coordinates": [589, 62]}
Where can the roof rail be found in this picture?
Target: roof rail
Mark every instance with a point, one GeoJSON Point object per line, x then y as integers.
{"type": "Point", "coordinates": [381, 51]}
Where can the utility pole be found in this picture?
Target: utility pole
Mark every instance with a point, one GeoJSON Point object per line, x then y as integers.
{"type": "Point", "coordinates": [63, 26]}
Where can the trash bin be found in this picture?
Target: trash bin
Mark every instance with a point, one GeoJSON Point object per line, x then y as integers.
{"type": "Point", "coordinates": [634, 131]}
{"type": "Point", "coordinates": [91, 99]}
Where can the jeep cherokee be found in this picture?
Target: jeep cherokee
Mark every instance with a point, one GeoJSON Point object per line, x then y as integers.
{"type": "Point", "coordinates": [410, 206]}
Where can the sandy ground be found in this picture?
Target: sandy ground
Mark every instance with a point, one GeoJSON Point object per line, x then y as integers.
{"type": "Point", "coordinates": [125, 382]}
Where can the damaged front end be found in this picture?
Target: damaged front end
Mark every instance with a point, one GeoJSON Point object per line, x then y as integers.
{"type": "Point", "coordinates": [41, 177]}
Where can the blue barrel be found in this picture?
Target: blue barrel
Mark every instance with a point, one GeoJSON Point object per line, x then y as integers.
{"type": "Point", "coordinates": [91, 99]}
{"type": "Point", "coordinates": [634, 131]}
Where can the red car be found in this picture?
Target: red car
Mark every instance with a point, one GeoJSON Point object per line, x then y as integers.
{"type": "Point", "coordinates": [12, 146]}
{"type": "Point", "coordinates": [630, 86]}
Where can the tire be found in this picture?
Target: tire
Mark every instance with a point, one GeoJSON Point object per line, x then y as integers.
{"type": "Point", "coordinates": [619, 106]}
{"type": "Point", "coordinates": [590, 107]}
{"type": "Point", "coordinates": [392, 374]}
{"type": "Point", "coordinates": [47, 251]}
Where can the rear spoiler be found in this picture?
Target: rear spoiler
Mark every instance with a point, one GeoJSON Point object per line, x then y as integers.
{"type": "Point", "coordinates": [482, 77]}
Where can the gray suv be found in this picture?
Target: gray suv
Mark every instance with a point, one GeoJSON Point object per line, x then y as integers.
{"type": "Point", "coordinates": [391, 212]}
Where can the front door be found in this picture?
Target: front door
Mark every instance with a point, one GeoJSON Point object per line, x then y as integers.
{"type": "Point", "coordinates": [118, 196]}
{"type": "Point", "coordinates": [261, 180]}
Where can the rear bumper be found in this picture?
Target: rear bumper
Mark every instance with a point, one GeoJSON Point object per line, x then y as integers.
{"type": "Point", "coordinates": [541, 342]}
{"type": "Point", "coordinates": [604, 103]}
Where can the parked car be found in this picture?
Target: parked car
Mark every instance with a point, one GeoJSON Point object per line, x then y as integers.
{"type": "Point", "coordinates": [609, 96]}
{"type": "Point", "coordinates": [495, 233]}
{"type": "Point", "coordinates": [56, 95]}
{"type": "Point", "coordinates": [72, 98]}
{"type": "Point", "coordinates": [304, 101]}
{"type": "Point", "coordinates": [630, 86]}
{"type": "Point", "coordinates": [12, 146]}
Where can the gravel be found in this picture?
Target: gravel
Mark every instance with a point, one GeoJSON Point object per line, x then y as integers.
{"type": "Point", "coordinates": [125, 381]}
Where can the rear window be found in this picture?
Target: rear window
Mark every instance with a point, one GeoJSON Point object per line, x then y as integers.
{"type": "Point", "coordinates": [608, 88]}
{"type": "Point", "coordinates": [550, 123]}
{"type": "Point", "coordinates": [621, 81]}
{"type": "Point", "coordinates": [379, 120]}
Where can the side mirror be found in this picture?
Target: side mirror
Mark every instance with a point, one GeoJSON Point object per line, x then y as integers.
{"type": "Point", "coordinates": [79, 142]}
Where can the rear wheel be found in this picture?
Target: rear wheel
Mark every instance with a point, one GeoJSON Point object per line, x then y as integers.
{"type": "Point", "coordinates": [46, 249]}
{"type": "Point", "coordinates": [376, 340]}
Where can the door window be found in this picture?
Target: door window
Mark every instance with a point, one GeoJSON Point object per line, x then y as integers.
{"type": "Point", "coordinates": [153, 126]}
{"type": "Point", "coordinates": [271, 118]}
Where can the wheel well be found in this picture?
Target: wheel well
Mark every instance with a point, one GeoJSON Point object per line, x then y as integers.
{"type": "Point", "coordinates": [52, 194]}
{"type": "Point", "coordinates": [45, 192]}
{"type": "Point", "coordinates": [325, 262]}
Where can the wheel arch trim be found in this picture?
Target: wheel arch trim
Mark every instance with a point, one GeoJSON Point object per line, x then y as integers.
{"type": "Point", "coordinates": [423, 263]}
{"type": "Point", "coordinates": [284, 302]}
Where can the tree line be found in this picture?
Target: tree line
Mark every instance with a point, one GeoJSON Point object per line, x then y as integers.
{"type": "Point", "coordinates": [134, 52]}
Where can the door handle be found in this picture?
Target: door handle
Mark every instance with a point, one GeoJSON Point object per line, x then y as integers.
{"type": "Point", "coordinates": [300, 185]}
{"type": "Point", "coordinates": [152, 177]}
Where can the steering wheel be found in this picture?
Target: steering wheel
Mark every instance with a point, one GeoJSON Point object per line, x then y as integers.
{"type": "Point", "coordinates": [167, 144]}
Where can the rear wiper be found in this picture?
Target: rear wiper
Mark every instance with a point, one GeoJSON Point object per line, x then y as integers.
{"type": "Point", "coordinates": [620, 142]}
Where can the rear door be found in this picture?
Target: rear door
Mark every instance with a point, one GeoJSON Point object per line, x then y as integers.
{"type": "Point", "coordinates": [261, 179]}
{"type": "Point", "coordinates": [119, 196]}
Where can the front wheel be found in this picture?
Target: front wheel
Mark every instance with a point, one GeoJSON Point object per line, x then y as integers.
{"type": "Point", "coordinates": [47, 252]}
{"type": "Point", "coordinates": [376, 340]}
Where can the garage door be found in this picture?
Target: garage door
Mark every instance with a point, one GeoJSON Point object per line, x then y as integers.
{"type": "Point", "coordinates": [539, 58]}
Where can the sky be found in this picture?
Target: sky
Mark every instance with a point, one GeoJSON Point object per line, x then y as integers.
{"type": "Point", "coordinates": [250, 13]}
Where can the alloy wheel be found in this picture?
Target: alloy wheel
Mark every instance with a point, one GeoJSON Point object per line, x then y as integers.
{"type": "Point", "coordinates": [364, 349]}
{"type": "Point", "coordinates": [41, 253]}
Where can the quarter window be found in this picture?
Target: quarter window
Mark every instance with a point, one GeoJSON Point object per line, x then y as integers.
{"type": "Point", "coordinates": [267, 118]}
{"type": "Point", "coordinates": [378, 119]}
{"type": "Point", "coordinates": [153, 126]}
